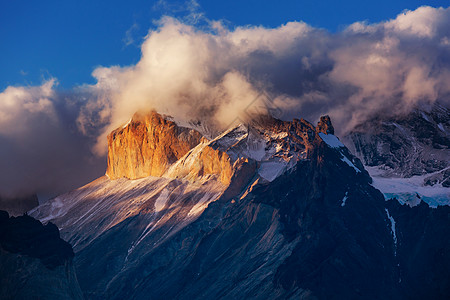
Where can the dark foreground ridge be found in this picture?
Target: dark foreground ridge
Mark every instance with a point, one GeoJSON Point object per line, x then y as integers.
{"type": "Point", "coordinates": [17, 206]}
{"type": "Point", "coordinates": [35, 263]}
{"type": "Point", "coordinates": [26, 235]}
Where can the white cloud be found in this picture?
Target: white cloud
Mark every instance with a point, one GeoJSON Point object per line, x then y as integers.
{"type": "Point", "coordinates": [18, 105]}
{"type": "Point", "coordinates": [422, 22]}
{"type": "Point", "coordinates": [185, 71]}
{"type": "Point", "coordinates": [129, 38]}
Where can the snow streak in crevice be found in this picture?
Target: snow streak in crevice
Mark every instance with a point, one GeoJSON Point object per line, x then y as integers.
{"type": "Point", "coordinates": [394, 236]}
{"type": "Point", "coordinates": [344, 199]}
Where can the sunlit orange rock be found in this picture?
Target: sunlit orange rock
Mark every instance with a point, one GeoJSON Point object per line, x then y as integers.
{"type": "Point", "coordinates": [147, 146]}
{"type": "Point", "coordinates": [204, 162]}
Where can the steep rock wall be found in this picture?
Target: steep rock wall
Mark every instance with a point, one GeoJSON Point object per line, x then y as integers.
{"type": "Point", "coordinates": [147, 146]}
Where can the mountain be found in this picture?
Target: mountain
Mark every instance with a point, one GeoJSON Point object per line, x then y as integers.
{"type": "Point", "coordinates": [35, 263]}
{"type": "Point", "coordinates": [268, 209]}
{"type": "Point", "coordinates": [408, 156]}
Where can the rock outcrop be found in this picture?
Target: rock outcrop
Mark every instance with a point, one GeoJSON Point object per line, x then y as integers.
{"type": "Point", "coordinates": [407, 156]}
{"type": "Point", "coordinates": [422, 249]}
{"type": "Point", "coordinates": [325, 125]}
{"type": "Point", "coordinates": [203, 162]}
{"type": "Point", "coordinates": [147, 146]}
{"type": "Point", "coordinates": [154, 145]}
{"type": "Point", "coordinates": [35, 263]}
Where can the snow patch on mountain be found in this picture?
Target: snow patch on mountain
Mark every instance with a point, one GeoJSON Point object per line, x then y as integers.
{"type": "Point", "coordinates": [394, 235]}
{"type": "Point", "coordinates": [411, 190]}
{"type": "Point", "coordinates": [84, 214]}
{"type": "Point", "coordinates": [271, 170]}
{"type": "Point", "coordinates": [161, 201]}
{"type": "Point", "coordinates": [348, 162]}
{"type": "Point", "coordinates": [344, 200]}
{"type": "Point", "coordinates": [331, 140]}
{"type": "Point", "coordinates": [441, 127]}
{"type": "Point", "coordinates": [267, 147]}
{"type": "Point", "coordinates": [127, 123]}
{"type": "Point", "coordinates": [201, 205]}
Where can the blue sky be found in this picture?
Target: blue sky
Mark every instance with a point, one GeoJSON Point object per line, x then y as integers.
{"type": "Point", "coordinates": [69, 39]}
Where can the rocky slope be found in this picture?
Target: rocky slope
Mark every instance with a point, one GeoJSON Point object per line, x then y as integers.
{"type": "Point", "coordinates": [407, 155]}
{"type": "Point", "coordinates": [34, 262]}
{"type": "Point", "coordinates": [414, 144]}
{"type": "Point", "coordinates": [409, 159]}
{"type": "Point", "coordinates": [147, 146]}
{"type": "Point", "coordinates": [269, 209]}
{"type": "Point", "coordinates": [422, 249]}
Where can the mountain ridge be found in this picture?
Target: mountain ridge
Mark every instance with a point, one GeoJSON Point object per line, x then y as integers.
{"type": "Point", "coordinates": [35, 263]}
{"type": "Point", "coordinates": [407, 155]}
{"type": "Point", "coordinates": [295, 192]}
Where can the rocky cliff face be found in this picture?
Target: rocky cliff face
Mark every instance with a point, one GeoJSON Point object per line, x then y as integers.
{"type": "Point", "coordinates": [414, 144]}
{"type": "Point", "coordinates": [34, 262]}
{"type": "Point", "coordinates": [408, 156]}
{"type": "Point", "coordinates": [147, 146]}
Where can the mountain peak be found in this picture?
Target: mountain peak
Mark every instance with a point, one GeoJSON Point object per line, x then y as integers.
{"type": "Point", "coordinates": [155, 145]}
{"type": "Point", "coordinates": [325, 125]}
{"type": "Point", "coordinates": [147, 146]}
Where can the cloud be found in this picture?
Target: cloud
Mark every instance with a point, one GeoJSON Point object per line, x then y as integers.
{"type": "Point", "coordinates": [394, 65]}
{"type": "Point", "coordinates": [188, 11]}
{"type": "Point", "coordinates": [212, 73]}
{"type": "Point", "coordinates": [420, 23]}
{"type": "Point", "coordinates": [19, 104]}
{"type": "Point", "coordinates": [41, 149]}
{"type": "Point", "coordinates": [129, 38]}
{"type": "Point", "coordinates": [185, 71]}
{"type": "Point", "coordinates": [190, 74]}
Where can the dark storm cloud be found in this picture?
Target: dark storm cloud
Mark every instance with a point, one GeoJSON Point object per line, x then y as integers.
{"type": "Point", "coordinates": [42, 151]}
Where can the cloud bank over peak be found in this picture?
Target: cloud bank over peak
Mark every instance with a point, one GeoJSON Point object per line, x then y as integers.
{"type": "Point", "coordinates": [366, 69]}
{"type": "Point", "coordinates": [214, 74]}
{"type": "Point", "coordinates": [186, 72]}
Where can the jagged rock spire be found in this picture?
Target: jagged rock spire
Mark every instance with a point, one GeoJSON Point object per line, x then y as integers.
{"type": "Point", "coordinates": [325, 125]}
